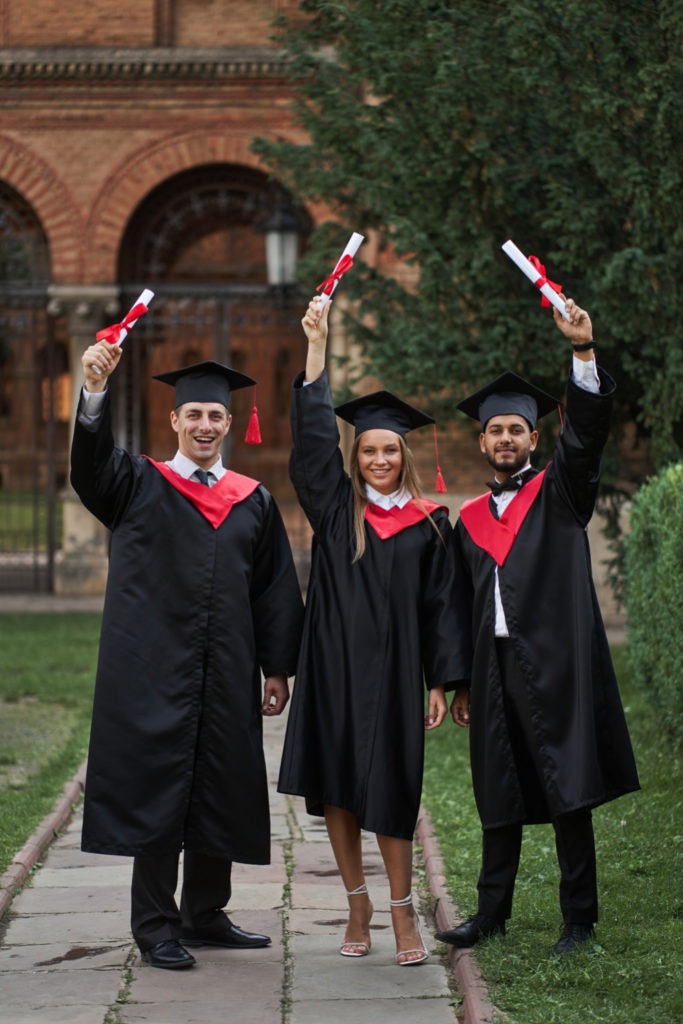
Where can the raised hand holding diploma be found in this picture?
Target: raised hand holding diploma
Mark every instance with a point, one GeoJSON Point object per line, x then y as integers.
{"type": "Point", "coordinates": [535, 271]}
{"type": "Point", "coordinates": [116, 333]}
{"type": "Point", "coordinates": [576, 325]}
{"type": "Point", "coordinates": [344, 263]}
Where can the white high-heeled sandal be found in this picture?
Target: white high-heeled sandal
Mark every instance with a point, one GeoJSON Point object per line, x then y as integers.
{"type": "Point", "coordinates": [406, 901]}
{"type": "Point", "coordinates": [349, 948]}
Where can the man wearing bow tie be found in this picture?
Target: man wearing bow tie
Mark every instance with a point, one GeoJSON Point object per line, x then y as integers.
{"type": "Point", "coordinates": [548, 738]}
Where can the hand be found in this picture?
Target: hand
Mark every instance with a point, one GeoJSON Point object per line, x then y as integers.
{"type": "Point", "coordinates": [578, 328]}
{"type": "Point", "coordinates": [103, 357]}
{"type": "Point", "coordinates": [275, 695]}
{"type": "Point", "coordinates": [314, 324]}
{"type": "Point", "coordinates": [437, 708]}
{"type": "Point", "coordinates": [460, 707]}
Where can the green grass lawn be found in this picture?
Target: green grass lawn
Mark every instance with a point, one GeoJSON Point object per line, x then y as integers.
{"type": "Point", "coordinates": [24, 520]}
{"type": "Point", "coordinates": [633, 974]}
{"type": "Point", "coordinates": [46, 683]}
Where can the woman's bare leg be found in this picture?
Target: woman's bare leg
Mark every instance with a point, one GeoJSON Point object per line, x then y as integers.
{"type": "Point", "coordinates": [398, 861]}
{"type": "Point", "coordinates": [344, 832]}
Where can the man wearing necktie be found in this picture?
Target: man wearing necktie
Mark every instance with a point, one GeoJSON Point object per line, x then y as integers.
{"type": "Point", "coordinates": [202, 600]}
{"type": "Point", "coordinates": [548, 738]}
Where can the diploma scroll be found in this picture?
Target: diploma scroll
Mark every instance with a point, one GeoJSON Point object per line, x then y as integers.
{"type": "Point", "coordinates": [116, 333]}
{"type": "Point", "coordinates": [534, 275]}
{"type": "Point", "coordinates": [344, 263]}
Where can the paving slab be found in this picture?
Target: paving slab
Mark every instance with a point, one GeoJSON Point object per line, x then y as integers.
{"type": "Point", "coordinates": [59, 988]}
{"type": "Point", "coordinates": [58, 956]}
{"type": "Point", "coordinates": [360, 1011]}
{"type": "Point", "coordinates": [71, 1014]}
{"type": "Point", "coordinates": [321, 973]}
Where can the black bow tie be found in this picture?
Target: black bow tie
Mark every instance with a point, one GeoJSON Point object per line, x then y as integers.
{"type": "Point", "coordinates": [513, 483]}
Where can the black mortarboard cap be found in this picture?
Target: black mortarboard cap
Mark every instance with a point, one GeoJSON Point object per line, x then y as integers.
{"type": "Point", "coordinates": [382, 410]}
{"type": "Point", "coordinates": [204, 382]}
{"type": "Point", "coordinates": [508, 395]}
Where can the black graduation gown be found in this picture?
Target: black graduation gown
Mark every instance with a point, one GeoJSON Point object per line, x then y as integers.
{"type": "Point", "coordinates": [373, 630]}
{"type": "Point", "coordinates": [191, 612]}
{"type": "Point", "coordinates": [551, 609]}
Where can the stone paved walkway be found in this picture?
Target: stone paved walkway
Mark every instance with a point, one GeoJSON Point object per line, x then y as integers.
{"type": "Point", "coordinates": [66, 954]}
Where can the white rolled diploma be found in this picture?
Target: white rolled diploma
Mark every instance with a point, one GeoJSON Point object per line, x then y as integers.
{"type": "Point", "coordinates": [520, 260]}
{"type": "Point", "coordinates": [145, 297]}
{"type": "Point", "coordinates": [352, 246]}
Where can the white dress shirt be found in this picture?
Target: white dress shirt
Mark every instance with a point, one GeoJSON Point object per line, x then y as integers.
{"type": "Point", "coordinates": [398, 498]}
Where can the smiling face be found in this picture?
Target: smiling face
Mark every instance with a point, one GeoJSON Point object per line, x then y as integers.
{"type": "Point", "coordinates": [507, 443]}
{"type": "Point", "coordinates": [380, 459]}
{"type": "Point", "coordinates": [201, 428]}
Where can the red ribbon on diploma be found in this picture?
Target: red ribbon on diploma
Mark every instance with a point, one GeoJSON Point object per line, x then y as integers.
{"type": "Point", "coordinates": [113, 332]}
{"type": "Point", "coordinates": [535, 262]}
{"type": "Point", "coordinates": [328, 285]}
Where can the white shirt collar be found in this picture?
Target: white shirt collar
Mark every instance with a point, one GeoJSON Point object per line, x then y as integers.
{"type": "Point", "coordinates": [186, 467]}
{"type": "Point", "coordinates": [522, 470]}
{"type": "Point", "coordinates": [399, 498]}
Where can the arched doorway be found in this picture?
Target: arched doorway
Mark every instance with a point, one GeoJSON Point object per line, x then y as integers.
{"type": "Point", "coordinates": [197, 242]}
{"type": "Point", "coordinates": [33, 415]}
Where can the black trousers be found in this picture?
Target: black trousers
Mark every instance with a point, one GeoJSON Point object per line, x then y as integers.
{"type": "Point", "coordinates": [155, 916]}
{"type": "Point", "coordinates": [574, 840]}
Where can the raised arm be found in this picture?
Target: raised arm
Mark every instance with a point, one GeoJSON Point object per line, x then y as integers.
{"type": "Point", "coordinates": [316, 465]}
{"type": "Point", "coordinates": [578, 452]}
{"type": "Point", "coordinates": [315, 328]}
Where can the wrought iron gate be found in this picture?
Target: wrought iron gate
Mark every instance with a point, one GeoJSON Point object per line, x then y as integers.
{"type": "Point", "coordinates": [34, 411]}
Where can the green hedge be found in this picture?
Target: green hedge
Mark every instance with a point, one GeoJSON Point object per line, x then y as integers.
{"type": "Point", "coordinates": [654, 595]}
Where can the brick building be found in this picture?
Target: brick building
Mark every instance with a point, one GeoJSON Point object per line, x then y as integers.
{"type": "Point", "coordinates": [125, 162]}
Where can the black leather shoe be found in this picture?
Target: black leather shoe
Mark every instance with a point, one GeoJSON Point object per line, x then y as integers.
{"type": "Point", "coordinates": [226, 934]}
{"type": "Point", "coordinates": [480, 926]}
{"type": "Point", "coordinates": [572, 936]}
{"type": "Point", "coordinates": [168, 954]}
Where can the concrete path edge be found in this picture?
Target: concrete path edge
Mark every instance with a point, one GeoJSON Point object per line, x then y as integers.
{"type": "Point", "coordinates": [34, 849]}
{"type": "Point", "coordinates": [477, 1006]}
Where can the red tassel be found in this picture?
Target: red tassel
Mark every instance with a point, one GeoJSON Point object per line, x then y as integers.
{"type": "Point", "coordinates": [253, 434]}
{"type": "Point", "coordinates": [440, 482]}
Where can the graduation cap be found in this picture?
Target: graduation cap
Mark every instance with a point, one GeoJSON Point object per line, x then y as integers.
{"type": "Point", "coordinates": [211, 382]}
{"type": "Point", "coordinates": [508, 395]}
{"type": "Point", "coordinates": [384, 411]}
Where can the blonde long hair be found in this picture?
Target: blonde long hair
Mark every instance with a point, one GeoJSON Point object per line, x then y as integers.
{"type": "Point", "coordinates": [408, 478]}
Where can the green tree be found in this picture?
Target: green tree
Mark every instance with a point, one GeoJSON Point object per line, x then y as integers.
{"type": "Point", "coordinates": [449, 127]}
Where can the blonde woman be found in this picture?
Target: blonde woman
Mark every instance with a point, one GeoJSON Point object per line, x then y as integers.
{"type": "Point", "coordinates": [381, 624]}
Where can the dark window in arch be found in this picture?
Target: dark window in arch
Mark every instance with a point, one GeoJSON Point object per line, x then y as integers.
{"type": "Point", "coordinates": [204, 226]}
{"type": "Point", "coordinates": [24, 253]}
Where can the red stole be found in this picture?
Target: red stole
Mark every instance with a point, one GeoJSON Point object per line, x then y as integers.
{"type": "Point", "coordinates": [496, 536]}
{"type": "Point", "coordinates": [215, 503]}
{"type": "Point", "coordinates": [387, 522]}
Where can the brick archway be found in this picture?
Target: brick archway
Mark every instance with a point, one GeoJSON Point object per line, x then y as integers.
{"type": "Point", "coordinates": [37, 183]}
{"type": "Point", "coordinates": [132, 182]}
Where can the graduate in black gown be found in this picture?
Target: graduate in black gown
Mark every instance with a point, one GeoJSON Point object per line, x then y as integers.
{"type": "Point", "coordinates": [381, 624]}
{"type": "Point", "coordinates": [548, 738]}
{"type": "Point", "coordinates": [202, 596]}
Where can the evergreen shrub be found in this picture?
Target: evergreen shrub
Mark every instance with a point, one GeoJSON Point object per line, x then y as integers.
{"type": "Point", "coordinates": [654, 595]}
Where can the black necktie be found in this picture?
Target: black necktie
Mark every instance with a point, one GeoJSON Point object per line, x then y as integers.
{"type": "Point", "coordinates": [513, 483]}
{"type": "Point", "coordinates": [202, 476]}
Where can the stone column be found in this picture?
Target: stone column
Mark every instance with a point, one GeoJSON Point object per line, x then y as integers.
{"type": "Point", "coordinates": [82, 563]}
